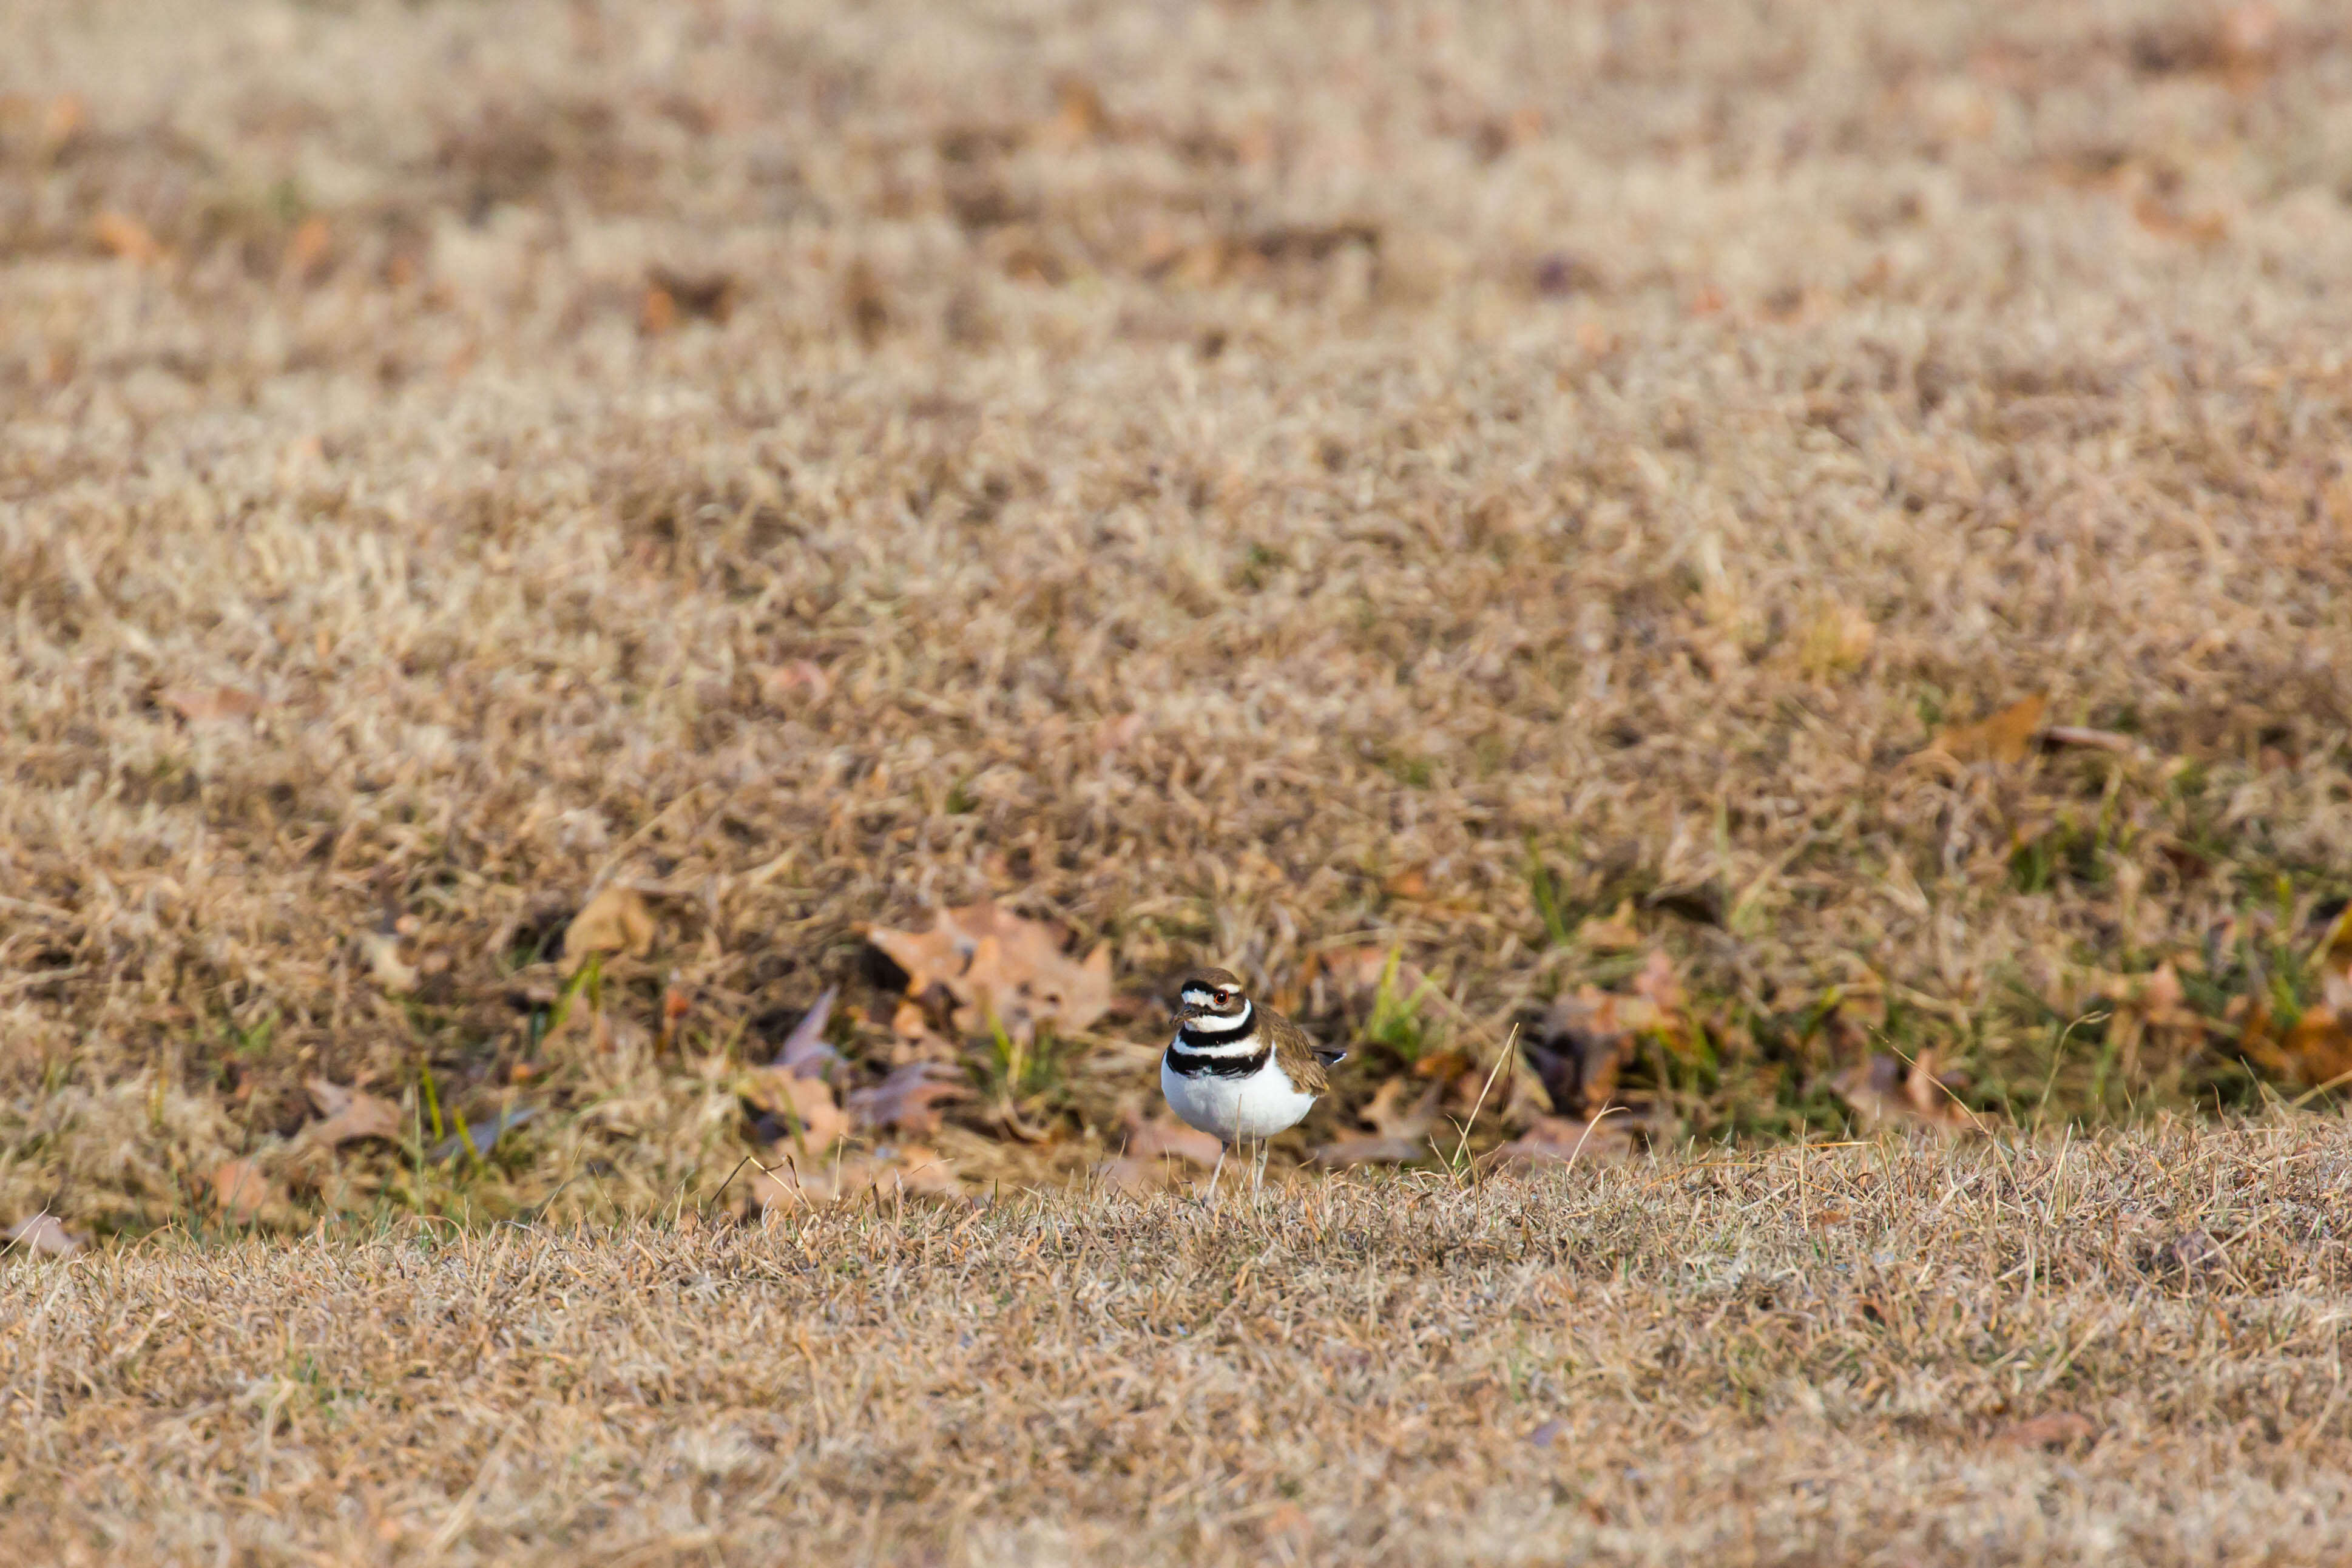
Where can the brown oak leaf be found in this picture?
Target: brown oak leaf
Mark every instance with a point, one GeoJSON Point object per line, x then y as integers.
{"type": "Point", "coordinates": [1562, 1140]}
{"type": "Point", "coordinates": [2004, 738]}
{"type": "Point", "coordinates": [244, 1193]}
{"type": "Point", "coordinates": [1399, 1132]}
{"type": "Point", "coordinates": [348, 1115]}
{"type": "Point", "coordinates": [43, 1235]}
{"type": "Point", "coordinates": [908, 1098]}
{"type": "Point", "coordinates": [996, 964]}
{"type": "Point", "coordinates": [616, 921]}
{"type": "Point", "coordinates": [795, 1102]}
{"type": "Point", "coordinates": [1888, 1091]}
{"type": "Point", "coordinates": [1164, 1137]}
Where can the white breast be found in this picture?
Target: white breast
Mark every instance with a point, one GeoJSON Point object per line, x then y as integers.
{"type": "Point", "coordinates": [1233, 1109]}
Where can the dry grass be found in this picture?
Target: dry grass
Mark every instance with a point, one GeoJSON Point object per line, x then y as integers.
{"type": "Point", "coordinates": [1239, 481]}
{"type": "Point", "coordinates": [2129, 1350]}
{"type": "Point", "coordinates": [1521, 486]}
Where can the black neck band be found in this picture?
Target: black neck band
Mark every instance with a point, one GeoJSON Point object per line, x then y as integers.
{"type": "Point", "coordinates": [1186, 1062]}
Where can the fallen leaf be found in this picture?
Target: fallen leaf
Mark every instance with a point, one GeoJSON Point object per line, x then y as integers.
{"type": "Point", "coordinates": [2318, 1048]}
{"type": "Point", "coordinates": [1413, 883]}
{"type": "Point", "coordinates": [922, 1172]}
{"type": "Point", "coordinates": [676, 1004]}
{"type": "Point", "coordinates": [1887, 1090]}
{"type": "Point", "coordinates": [2093, 740]}
{"type": "Point", "coordinates": [908, 1097]}
{"type": "Point", "coordinates": [350, 1114]}
{"type": "Point", "coordinates": [1126, 1173]}
{"type": "Point", "coordinates": [204, 703]}
{"type": "Point", "coordinates": [2164, 217]}
{"type": "Point", "coordinates": [1853, 1012]}
{"type": "Point", "coordinates": [2148, 1011]}
{"type": "Point", "coordinates": [309, 249]}
{"type": "Point", "coordinates": [1701, 904]}
{"type": "Point", "coordinates": [785, 1186]}
{"type": "Point", "coordinates": [483, 1137]}
{"type": "Point", "coordinates": [2247, 35]}
{"type": "Point", "coordinates": [767, 1190]}
{"type": "Point", "coordinates": [43, 1235]}
{"type": "Point", "coordinates": [993, 963]}
{"type": "Point", "coordinates": [1079, 116]}
{"type": "Point", "coordinates": [805, 1052]}
{"type": "Point", "coordinates": [1356, 972]}
{"type": "Point", "coordinates": [657, 311]}
{"type": "Point", "coordinates": [1390, 1117]}
{"type": "Point", "coordinates": [62, 123]}
{"type": "Point", "coordinates": [910, 1027]}
{"type": "Point", "coordinates": [1401, 1131]}
{"type": "Point", "coordinates": [616, 921]}
{"type": "Point", "coordinates": [2003, 739]}
{"type": "Point", "coordinates": [1617, 933]}
{"type": "Point", "coordinates": [1586, 1039]}
{"type": "Point", "coordinates": [1202, 265]}
{"type": "Point", "coordinates": [936, 957]}
{"type": "Point", "coordinates": [911, 1169]}
{"type": "Point", "coordinates": [1164, 1137]}
{"type": "Point", "coordinates": [1563, 1139]}
{"type": "Point", "coordinates": [793, 1101]}
{"type": "Point", "coordinates": [1448, 1064]}
{"type": "Point", "coordinates": [709, 297]}
{"type": "Point", "coordinates": [1655, 982]}
{"type": "Point", "coordinates": [385, 965]}
{"type": "Point", "coordinates": [2053, 1429]}
{"type": "Point", "coordinates": [246, 1195]}
{"type": "Point", "coordinates": [1371, 1151]}
{"type": "Point", "coordinates": [119, 234]}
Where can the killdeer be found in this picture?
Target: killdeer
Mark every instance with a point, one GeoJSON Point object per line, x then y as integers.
{"type": "Point", "coordinates": [1237, 1070]}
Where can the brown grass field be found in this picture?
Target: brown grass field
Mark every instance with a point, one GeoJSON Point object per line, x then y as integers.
{"type": "Point", "coordinates": [1792, 559]}
{"type": "Point", "coordinates": [2130, 1350]}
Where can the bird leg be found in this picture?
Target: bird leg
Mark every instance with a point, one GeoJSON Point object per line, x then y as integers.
{"type": "Point", "coordinates": [1257, 1179]}
{"type": "Point", "coordinates": [1218, 1171]}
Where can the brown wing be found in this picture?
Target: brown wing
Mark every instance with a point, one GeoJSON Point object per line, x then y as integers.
{"type": "Point", "coordinates": [1300, 1056]}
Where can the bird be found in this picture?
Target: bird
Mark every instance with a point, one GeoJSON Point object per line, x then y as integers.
{"type": "Point", "coordinates": [1237, 1070]}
